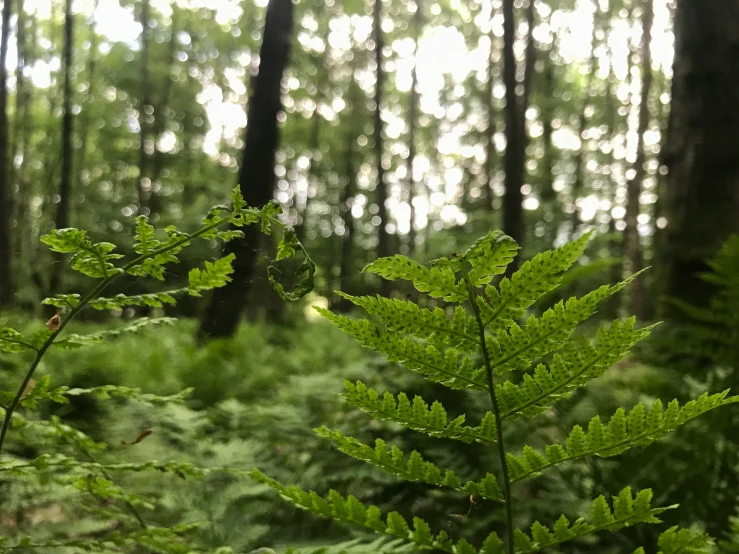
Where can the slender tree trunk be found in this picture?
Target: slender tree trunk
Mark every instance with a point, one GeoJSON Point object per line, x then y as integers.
{"type": "Point", "coordinates": [579, 185]}
{"type": "Point", "coordinates": [383, 246]}
{"type": "Point", "coordinates": [6, 275]}
{"type": "Point", "coordinates": [85, 119]}
{"type": "Point", "coordinates": [413, 123]}
{"type": "Point", "coordinates": [346, 260]}
{"type": "Point", "coordinates": [515, 118]}
{"type": "Point", "coordinates": [257, 174]}
{"type": "Point", "coordinates": [703, 145]}
{"type": "Point", "coordinates": [634, 252]}
{"type": "Point", "coordinates": [490, 154]}
{"type": "Point", "coordinates": [145, 113]}
{"type": "Point", "coordinates": [65, 184]}
{"type": "Point", "coordinates": [160, 111]}
{"type": "Point", "coordinates": [22, 115]}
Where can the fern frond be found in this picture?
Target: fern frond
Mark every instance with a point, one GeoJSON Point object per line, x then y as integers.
{"type": "Point", "coordinates": [350, 510]}
{"type": "Point", "coordinates": [517, 348]}
{"type": "Point", "coordinates": [437, 282]}
{"type": "Point", "coordinates": [412, 468]}
{"type": "Point", "coordinates": [627, 510]}
{"type": "Point", "coordinates": [578, 363]}
{"type": "Point", "coordinates": [446, 368]}
{"type": "Point", "coordinates": [683, 541]}
{"type": "Point", "coordinates": [77, 341]}
{"type": "Point", "coordinates": [489, 256]}
{"type": "Point", "coordinates": [408, 318]}
{"type": "Point", "coordinates": [637, 428]}
{"type": "Point", "coordinates": [153, 300]}
{"type": "Point", "coordinates": [381, 545]}
{"type": "Point", "coordinates": [537, 276]}
{"type": "Point", "coordinates": [418, 416]}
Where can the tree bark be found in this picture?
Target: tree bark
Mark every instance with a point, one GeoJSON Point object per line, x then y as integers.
{"type": "Point", "coordinates": [85, 120]}
{"type": "Point", "coordinates": [413, 123]}
{"type": "Point", "coordinates": [490, 153]}
{"type": "Point", "coordinates": [6, 275]}
{"type": "Point", "coordinates": [579, 184]}
{"type": "Point", "coordinates": [145, 112]}
{"type": "Point", "coordinates": [703, 145]}
{"type": "Point", "coordinates": [257, 174]}
{"type": "Point", "coordinates": [65, 184]}
{"type": "Point", "coordinates": [515, 118]}
{"type": "Point", "coordinates": [634, 254]}
{"type": "Point", "coordinates": [383, 245]}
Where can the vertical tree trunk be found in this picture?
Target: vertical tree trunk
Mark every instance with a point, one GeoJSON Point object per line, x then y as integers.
{"type": "Point", "coordinates": [515, 118]}
{"type": "Point", "coordinates": [85, 120]}
{"type": "Point", "coordinates": [490, 153]}
{"type": "Point", "coordinates": [383, 246]}
{"type": "Point", "coordinates": [6, 275]}
{"type": "Point", "coordinates": [65, 184]}
{"type": "Point", "coordinates": [23, 114]}
{"type": "Point", "coordinates": [703, 145]}
{"type": "Point", "coordinates": [257, 174]}
{"type": "Point", "coordinates": [145, 113]}
{"type": "Point", "coordinates": [412, 117]}
{"type": "Point", "coordinates": [579, 185]}
{"type": "Point", "coordinates": [634, 253]}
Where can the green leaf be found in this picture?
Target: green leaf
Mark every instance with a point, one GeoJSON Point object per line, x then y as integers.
{"type": "Point", "coordinates": [77, 341]}
{"type": "Point", "coordinates": [418, 416]}
{"type": "Point", "coordinates": [685, 541]}
{"type": "Point", "coordinates": [213, 275]}
{"type": "Point", "coordinates": [489, 256]}
{"type": "Point", "coordinates": [11, 341]}
{"type": "Point", "coordinates": [93, 260]}
{"type": "Point", "coordinates": [436, 282]}
{"type": "Point", "coordinates": [302, 279]}
{"type": "Point", "coordinates": [415, 468]}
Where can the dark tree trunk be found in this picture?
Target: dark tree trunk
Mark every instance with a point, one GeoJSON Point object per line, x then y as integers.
{"type": "Point", "coordinates": [6, 275]}
{"type": "Point", "coordinates": [145, 113]}
{"type": "Point", "coordinates": [313, 146]}
{"type": "Point", "coordinates": [703, 145]}
{"type": "Point", "coordinates": [515, 118]}
{"type": "Point", "coordinates": [257, 174]}
{"type": "Point", "coordinates": [413, 125]}
{"type": "Point", "coordinates": [383, 246]}
{"type": "Point", "coordinates": [65, 184]}
{"type": "Point", "coordinates": [635, 256]}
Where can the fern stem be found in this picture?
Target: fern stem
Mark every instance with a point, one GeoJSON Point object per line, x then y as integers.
{"type": "Point", "coordinates": [94, 293]}
{"type": "Point", "coordinates": [496, 411]}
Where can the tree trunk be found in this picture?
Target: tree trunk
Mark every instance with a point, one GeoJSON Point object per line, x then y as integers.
{"type": "Point", "coordinates": [6, 275]}
{"type": "Point", "coordinates": [635, 257]}
{"type": "Point", "coordinates": [491, 128]}
{"type": "Point", "coordinates": [413, 123]}
{"type": "Point", "coordinates": [703, 145]}
{"type": "Point", "coordinates": [257, 174]}
{"type": "Point", "coordinates": [85, 120]}
{"type": "Point", "coordinates": [23, 129]}
{"type": "Point", "coordinates": [145, 113]}
{"type": "Point", "coordinates": [579, 184]}
{"type": "Point", "coordinates": [65, 184]}
{"type": "Point", "coordinates": [515, 118]}
{"type": "Point", "coordinates": [383, 245]}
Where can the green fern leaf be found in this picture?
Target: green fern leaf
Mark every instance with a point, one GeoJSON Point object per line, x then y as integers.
{"type": "Point", "coordinates": [11, 342]}
{"type": "Point", "coordinates": [436, 282]}
{"type": "Point", "coordinates": [93, 260]}
{"type": "Point", "coordinates": [622, 432]}
{"type": "Point", "coordinates": [432, 325]}
{"type": "Point", "coordinates": [489, 256]}
{"type": "Point", "coordinates": [444, 367]}
{"type": "Point", "coordinates": [538, 276]}
{"type": "Point", "coordinates": [418, 416]}
{"type": "Point", "coordinates": [213, 275]}
{"type": "Point", "coordinates": [77, 341]}
{"type": "Point", "coordinates": [684, 541]}
{"type": "Point", "coordinates": [517, 348]}
{"type": "Point", "coordinates": [369, 517]}
{"type": "Point", "coordinates": [573, 367]}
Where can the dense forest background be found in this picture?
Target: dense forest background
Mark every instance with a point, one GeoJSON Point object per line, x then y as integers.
{"type": "Point", "coordinates": [380, 127]}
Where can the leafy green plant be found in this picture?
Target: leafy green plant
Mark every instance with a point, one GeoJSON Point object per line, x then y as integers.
{"type": "Point", "coordinates": [525, 369]}
{"type": "Point", "coordinates": [71, 463]}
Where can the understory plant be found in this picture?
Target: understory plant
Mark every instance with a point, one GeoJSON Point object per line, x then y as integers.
{"type": "Point", "coordinates": [477, 340]}
{"type": "Point", "coordinates": [62, 470]}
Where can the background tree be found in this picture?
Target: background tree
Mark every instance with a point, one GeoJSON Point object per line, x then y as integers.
{"type": "Point", "coordinates": [6, 279]}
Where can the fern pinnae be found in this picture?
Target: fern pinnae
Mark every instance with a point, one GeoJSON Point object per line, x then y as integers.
{"type": "Point", "coordinates": [411, 468]}
{"type": "Point", "coordinates": [417, 415]}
